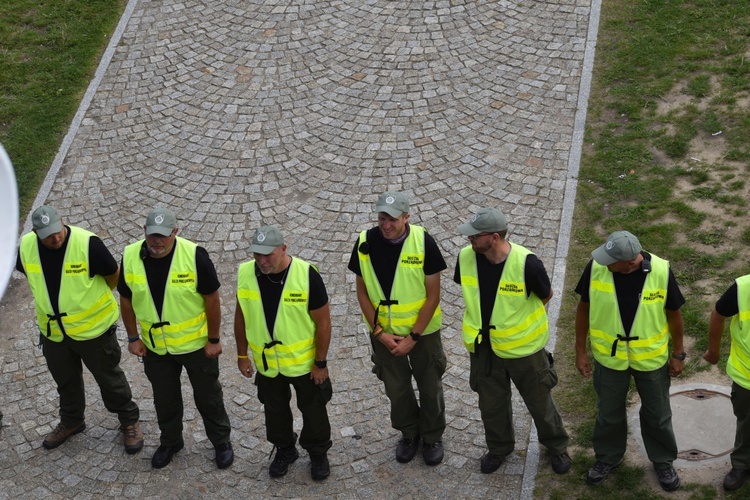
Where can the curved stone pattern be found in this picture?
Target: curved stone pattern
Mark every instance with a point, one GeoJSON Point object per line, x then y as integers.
{"type": "Point", "coordinates": [299, 114]}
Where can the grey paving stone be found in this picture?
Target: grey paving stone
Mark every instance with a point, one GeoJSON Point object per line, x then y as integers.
{"type": "Point", "coordinates": [300, 114]}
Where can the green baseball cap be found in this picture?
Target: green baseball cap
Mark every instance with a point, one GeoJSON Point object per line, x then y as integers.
{"type": "Point", "coordinates": [266, 239]}
{"type": "Point", "coordinates": [160, 221]}
{"type": "Point", "coordinates": [46, 221]}
{"type": "Point", "coordinates": [393, 203]}
{"type": "Point", "coordinates": [487, 220]}
{"type": "Point", "coordinates": [620, 246]}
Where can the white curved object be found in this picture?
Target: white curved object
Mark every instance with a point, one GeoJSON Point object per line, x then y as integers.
{"type": "Point", "coordinates": [8, 219]}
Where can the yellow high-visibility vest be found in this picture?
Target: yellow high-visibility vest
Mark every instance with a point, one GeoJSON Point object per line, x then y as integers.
{"type": "Point", "coordinates": [738, 365]}
{"type": "Point", "coordinates": [182, 326]}
{"type": "Point", "coordinates": [518, 324]}
{"type": "Point", "coordinates": [87, 306]}
{"type": "Point", "coordinates": [648, 348]}
{"type": "Point", "coordinates": [290, 351]}
{"type": "Point", "coordinates": [408, 287]}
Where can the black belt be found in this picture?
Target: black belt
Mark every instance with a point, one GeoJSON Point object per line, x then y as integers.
{"type": "Point", "coordinates": [263, 355]}
{"type": "Point", "coordinates": [156, 325]}
{"type": "Point", "coordinates": [619, 338]}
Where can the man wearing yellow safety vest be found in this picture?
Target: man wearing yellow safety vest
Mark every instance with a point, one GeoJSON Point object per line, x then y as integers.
{"type": "Point", "coordinates": [735, 304]}
{"type": "Point", "coordinates": [169, 288]}
{"type": "Point", "coordinates": [630, 307]}
{"type": "Point", "coordinates": [398, 269]}
{"type": "Point", "coordinates": [71, 274]}
{"type": "Point", "coordinates": [282, 322]}
{"type": "Point", "coordinates": [505, 329]}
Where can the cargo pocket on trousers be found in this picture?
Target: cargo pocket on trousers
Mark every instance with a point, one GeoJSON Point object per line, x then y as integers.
{"type": "Point", "coordinates": [548, 376]}
{"type": "Point", "coordinates": [260, 389]}
{"type": "Point", "coordinates": [473, 384]}
{"type": "Point", "coordinates": [441, 362]}
{"type": "Point", "coordinates": [111, 348]}
{"type": "Point", "coordinates": [376, 368]}
{"type": "Point", "coordinates": [325, 391]}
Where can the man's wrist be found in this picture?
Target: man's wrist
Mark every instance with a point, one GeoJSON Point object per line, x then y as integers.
{"type": "Point", "coordinates": [214, 340]}
{"type": "Point", "coordinates": [134, 339]}
{"type": "Point", "coordinates": [679, 356]}
{"type": "Point", "coordinates": [321, 363]}
{"type": "Point", "coordinates": [415, 336]}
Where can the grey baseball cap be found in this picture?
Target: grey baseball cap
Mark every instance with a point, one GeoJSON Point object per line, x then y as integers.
{"type": "Point", "coordinates": [46, 221]}
{"type": "Point", "coordinates": [487, 220]}
{"type": "Point", "coordinates": [160, 221]}
{"type": "Point", "coordinates": [266, 239]}
{"type": "Point", "coordinates": [620, 246]}
{"type": "Point", "coordinates": [393, 203]}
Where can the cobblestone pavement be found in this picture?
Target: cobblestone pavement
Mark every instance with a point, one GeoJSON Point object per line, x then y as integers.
{"type": "Point", "coordinates": [299, 113]}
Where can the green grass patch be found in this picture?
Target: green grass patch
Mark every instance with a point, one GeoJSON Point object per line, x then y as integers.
{"type": "Point", "coordinates": [699, 86]}
{"type": "Point", "coordinates": [648, 52]}
{"type": "Point", "coordinates": [50, 49]}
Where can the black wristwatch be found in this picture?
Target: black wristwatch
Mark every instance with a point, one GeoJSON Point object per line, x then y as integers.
{"type": "Point", "coordinates": [321, 364]}
{"type": "Point", "coordinates": [415, 336]}
{"type": "Point", "coordinates": [214, 340]}
{"type": "Point", "coordinates": [680, 357]}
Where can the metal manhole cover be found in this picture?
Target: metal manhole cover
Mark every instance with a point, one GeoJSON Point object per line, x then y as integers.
{"type": "Point", "coordinates": [692, 409]}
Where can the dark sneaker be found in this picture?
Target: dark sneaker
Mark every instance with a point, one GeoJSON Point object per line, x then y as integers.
{"type": "Point", "coordinates": [735, 479]}
{"type": "Point", "coordinates": [668, 479]}
{"type": "Point", "coordinates": [164, 454]}
{"type": "Point", "coordinates": [432, 453]}
{"type": "Point", "coordinates": [599, 472]}
{"type": "Point", "coordinates": [406, 449]}
{"type": "Point", "coordinates": [561, 463]}
{"type": "Point", "coordinates": [284, 457]}
{"type": "Point", "coordinates": [132, 436]}
{"type": "Point", "coordinates": [490, 463]}
{"type": "Point", "coordinates": [60, 434]}
{"type": "Point", "coordinates": [319, 467]}
{"type": "Point", "coordinates": [224, 455]}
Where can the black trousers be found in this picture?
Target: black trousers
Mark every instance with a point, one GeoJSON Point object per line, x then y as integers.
{"type": "Point", "coordinates": [164, 371]}
{"type": "Point", "coordinates": [275, 394]}
{"type": "Point", "coordinates": [102, 357]}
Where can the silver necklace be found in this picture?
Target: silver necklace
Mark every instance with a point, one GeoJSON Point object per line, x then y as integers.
{"type": "Point", "coordinates": [283, 278]}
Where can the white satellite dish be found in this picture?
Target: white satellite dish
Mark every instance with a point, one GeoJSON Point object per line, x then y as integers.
{"type": "Point", "coordinates": [8, 219]}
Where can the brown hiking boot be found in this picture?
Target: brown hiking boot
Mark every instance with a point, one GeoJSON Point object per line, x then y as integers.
{"type": "Point", "coordinates": [60, 434]}
{"type": "Point", "coordinates": [133, 438]}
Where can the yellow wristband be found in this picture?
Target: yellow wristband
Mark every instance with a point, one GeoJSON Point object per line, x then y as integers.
{"type": "Point", "coordinates": [239, 356]}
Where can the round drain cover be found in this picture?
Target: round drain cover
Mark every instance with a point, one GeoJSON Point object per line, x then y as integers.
{"type": "Point", "coordinates": [703, 422]}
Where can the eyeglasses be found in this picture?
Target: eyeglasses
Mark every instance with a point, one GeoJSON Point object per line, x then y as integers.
{"type": "Point", "coordinates": [476, 236]}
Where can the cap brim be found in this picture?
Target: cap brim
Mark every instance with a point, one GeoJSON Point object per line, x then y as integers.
{"type": "Point", "coordinates": [601, 256]}
{"type": "Point", "coordinates": [163, 231]}
{"type": "Point", "coordinates": [49, 230]}
{"type": "Point", "coordinates": [389, 210]}
{"type": "Point", "coordinates": [261, 249]}
{"type": "Point", "coordinates": [468, 230]}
